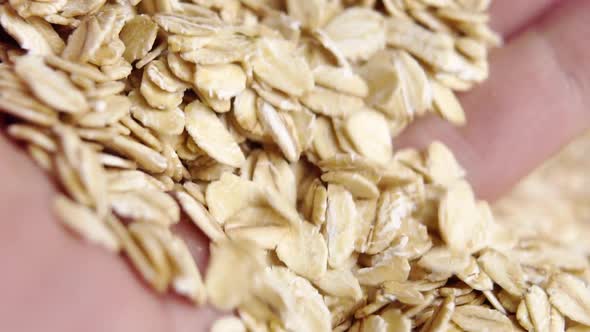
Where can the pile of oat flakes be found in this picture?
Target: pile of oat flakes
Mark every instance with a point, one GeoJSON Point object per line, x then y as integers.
{"type": "Point", "coordinates": [269, 124]}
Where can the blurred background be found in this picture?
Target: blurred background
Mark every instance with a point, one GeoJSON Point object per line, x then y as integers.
{"type": "Point", "coordinates": [555, 198]}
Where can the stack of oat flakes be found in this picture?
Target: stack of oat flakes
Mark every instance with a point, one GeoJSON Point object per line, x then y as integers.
{"type": "Point", "coordinates": [269, 124]}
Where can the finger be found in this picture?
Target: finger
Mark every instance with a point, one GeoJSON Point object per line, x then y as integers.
{"type": "Point", "coordinates": [536, 100]}
{"type": "Point", "coordinates": [509, 16]}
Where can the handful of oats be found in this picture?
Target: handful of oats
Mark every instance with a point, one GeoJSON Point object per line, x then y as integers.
{"type": "Point", "coordinates": [269, 124]}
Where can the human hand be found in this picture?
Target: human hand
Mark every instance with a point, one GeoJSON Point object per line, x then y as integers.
{"type": "Point", "coordinates": [52, 281]}
{"type": "Point", "coordinates": [537, 99]}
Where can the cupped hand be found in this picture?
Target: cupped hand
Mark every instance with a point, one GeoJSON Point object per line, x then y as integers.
{"type": "Point", "coordinates": [536, 100]}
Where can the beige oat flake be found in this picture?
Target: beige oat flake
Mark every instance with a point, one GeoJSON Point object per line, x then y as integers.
{"type": "Point", "coordinates": [340, 79]}
{"type": "Point", "coordinates": [200, 216]}
{"type": "Point", "coordinates": [356, 26]}
{"type": "Point", "coordinates": [304, 251]}
{"type": "Point", "coordinates": [278, 67]}
{"type": "Point", "coordinates": [369, 135]}
{"type": "Point", "coordinates": [211, 135]}
{"type": "Point", "coordinates": [504, 270]}
{"type": "Point", "coordinates": [28, 37]}
{"type": "Point", "coordinates": [82, 220]}
{"type": "Point", "coordinates": [47, 83]}
{"type": "Point", "coordinates": [478, 318]}
{"type": "Point", "coordinates": [220, 81]}
{"type": "Point", "coordinates": [340, 225]}
{"type": "Point", "coordinates": [461, 225]}
{"type": "Point", "coordinates": [539, 308]}
{"type": "Point", "coordinates": [571, 296]}
{"type": "Point", "coordinates": [277, 126]}
{"type": "Point", "coordinates": [138, 35]}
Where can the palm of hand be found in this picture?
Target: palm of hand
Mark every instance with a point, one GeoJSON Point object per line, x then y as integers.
{"type": "Point", "coordinates": [532, 104]}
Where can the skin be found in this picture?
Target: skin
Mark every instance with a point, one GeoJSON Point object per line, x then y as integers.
{"type": "Point", "coordinates": [536, 100]}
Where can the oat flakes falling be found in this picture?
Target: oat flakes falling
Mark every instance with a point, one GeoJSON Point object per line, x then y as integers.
{"type": "Point", "coordinates": [269, 124]}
